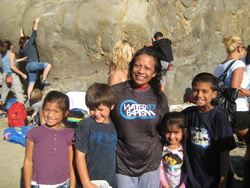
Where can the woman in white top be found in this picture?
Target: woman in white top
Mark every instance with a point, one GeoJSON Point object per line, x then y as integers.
{"type": "Point", "coordinates": [120, 57]}
{"type": "Point", "coordinates": [237, 78]}
{"type": "Point", "coordinates": [246, 60]}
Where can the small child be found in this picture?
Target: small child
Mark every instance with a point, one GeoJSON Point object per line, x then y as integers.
{"type": "Point", "coordinates": [96, 138]}
{"type": "Point", "coordinates": [210, 138]}
{"type": "Point", "coordinates": [49, 152]}
{"type": "Point", "coordinates": [173, 130]}
{"type": "Point", "coordinates": [36, 97]}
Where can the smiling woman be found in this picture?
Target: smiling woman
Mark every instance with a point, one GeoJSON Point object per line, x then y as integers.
{"type": "Point", "coordinates": [138, 111]}
{"type": "Point", "coordinates": [143, 70]}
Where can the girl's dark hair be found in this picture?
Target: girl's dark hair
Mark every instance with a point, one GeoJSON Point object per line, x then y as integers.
{"type": "Point", "coordinates": [22, 41]}
{"type": "Point", "coordinates": [5, 46]}
{"type": "Point", "coordinates": [173, 119]}
{"type": "Point", "coordinates": [155, 81]}
{"type": "Point", "coordinates": [248, 55]}
{"type": "Point", "coordinates": [62, 101]}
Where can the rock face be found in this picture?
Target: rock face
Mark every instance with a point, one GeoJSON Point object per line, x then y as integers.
{"type": "Point", "coordinates": [76, 36]}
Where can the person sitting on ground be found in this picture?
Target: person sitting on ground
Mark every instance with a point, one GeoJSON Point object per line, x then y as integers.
{"type": "Point", "coordinates": [96, 138]}
{"type": "Point", "coordinates": [163, 46]}
{"type": "Point", "coordinates": [9, 68]}
{"type": "Point", "coordinates": [119, 59]}
{"type": "Point", "coordinates": [37, 98]}
{"type": "Point", "coordinates": [27, 47]}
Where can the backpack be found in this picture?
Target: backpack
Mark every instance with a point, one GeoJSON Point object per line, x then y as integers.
{"type": "Point", "coordinates": [75, 116]}
{"type": "Point", "coordinates": [17, 115]}
{"type": "Point", "coordinates": [225, 99]}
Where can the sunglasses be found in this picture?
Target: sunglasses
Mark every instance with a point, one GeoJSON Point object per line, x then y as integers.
{"type": "Point", "coordinates": [244, 47]}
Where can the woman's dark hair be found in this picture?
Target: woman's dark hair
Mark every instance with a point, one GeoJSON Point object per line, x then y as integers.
{"type": "Point", "coordinates": [173, 119]}
{"type": "Point", "coordinates": [23, 40]}
{"type": "Point", "coordinates": [62, 101]}
{"type": "Point", "coordinates": [5, 46]}
{"type": "Point", "coordinates": [155, 81]}
{"type": "Point", "coordinates": [248, 55]}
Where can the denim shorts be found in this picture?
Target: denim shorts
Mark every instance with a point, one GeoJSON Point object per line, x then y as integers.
{"type": "Point", "coordinates": [32, 67]}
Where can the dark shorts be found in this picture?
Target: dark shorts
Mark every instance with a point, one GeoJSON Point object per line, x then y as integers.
{"type": "Point", "coordinates": [242, 121]}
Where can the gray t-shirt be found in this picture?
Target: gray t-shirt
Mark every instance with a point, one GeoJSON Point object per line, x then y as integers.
{"type": "Point", "coordinates": [98, 142]}
{"type": "Point", "coordinates": [38, 105]}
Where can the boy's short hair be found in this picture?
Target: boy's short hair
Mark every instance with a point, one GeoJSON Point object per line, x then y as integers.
{"type": "Point", "coordinates": [36, 95]}
{"type": "Point", "coordinates": [158, 34]}
{"type": "Point", "coordinates": [206, 78]}
{"type": "Point", "coordinates": [100, 94]}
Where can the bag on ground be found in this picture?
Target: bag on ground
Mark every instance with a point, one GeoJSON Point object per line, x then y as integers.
{"type": "Point", "coordinates": [17, 115]}
{"type": "Point", "coordinates": [16, 134]}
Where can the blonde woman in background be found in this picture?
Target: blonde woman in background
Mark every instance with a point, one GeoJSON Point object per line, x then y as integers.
{"type": "Point", "coordinates": [237, 78]}
{"type": "Point", "coordinates": [120, 57]}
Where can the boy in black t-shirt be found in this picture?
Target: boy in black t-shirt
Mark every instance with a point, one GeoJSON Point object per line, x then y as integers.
{"type": "Point", "coordinates": [163, 45]}
{"type": "Point", "coordinates": [96, 139]}
{"type": "Point", "coordinates": [210, 138]}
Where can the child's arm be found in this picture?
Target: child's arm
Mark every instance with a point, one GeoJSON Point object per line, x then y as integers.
{"type": "Point", "coordinates": [28, 163]}
{"type": "Point", "coordinates": [82, 170]}
{"type": "Point", "coordinates": [72, 176]}
{"type": "Point", "coordinates": [41, 117]}
{"type": "Point", "coordinates": [33, 115]}
{"type": "Point", "coordinates": [224, 167]}
{"type": "Point", "coordinates": [163, 180]}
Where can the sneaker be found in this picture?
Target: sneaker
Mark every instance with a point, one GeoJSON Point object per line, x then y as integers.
{"type": "Point", "coordinates": [3, 114]}
{"type": "Point", "coordinates": [170, 67]}
{"type": "Point", "coordinates": [242, 144]}
{"type": "Point", "coordinates": [46, 83]}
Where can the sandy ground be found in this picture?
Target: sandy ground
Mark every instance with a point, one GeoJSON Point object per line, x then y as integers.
{"type": "Point", "coordinates": [12, 156]}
